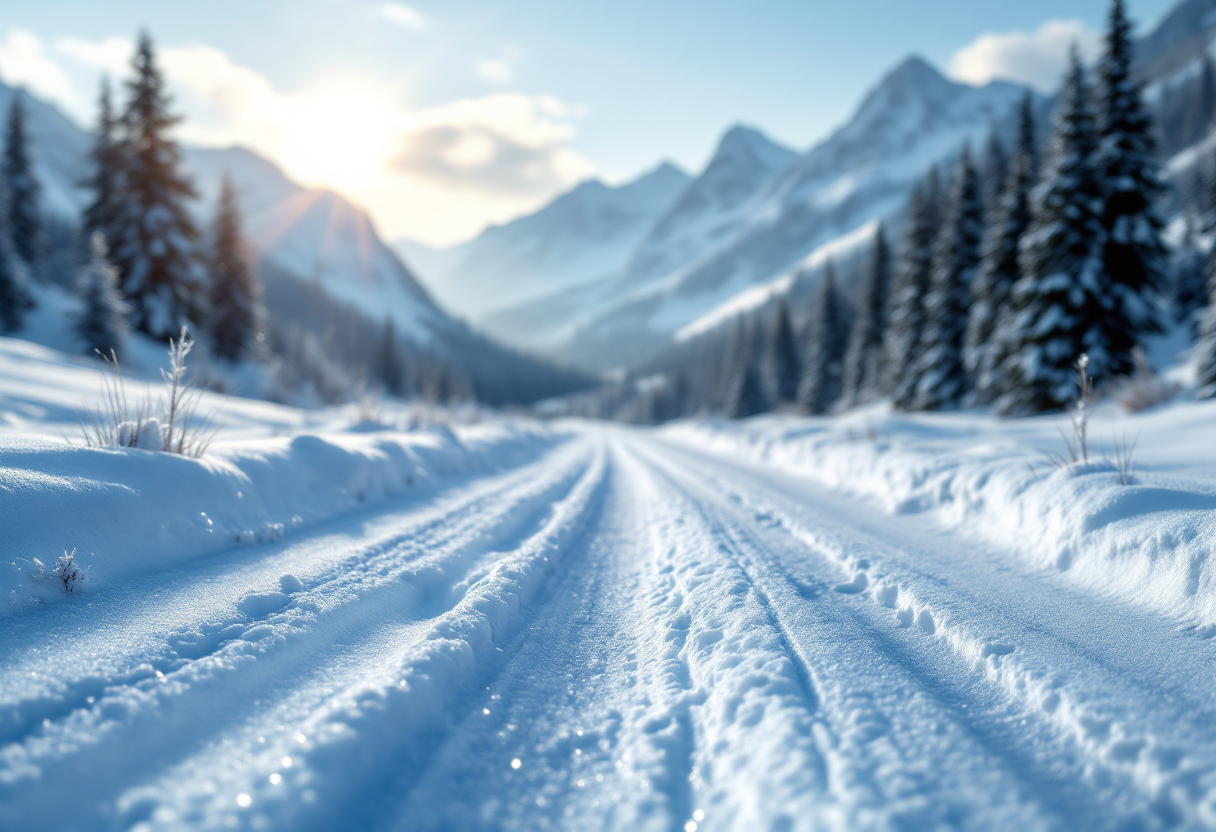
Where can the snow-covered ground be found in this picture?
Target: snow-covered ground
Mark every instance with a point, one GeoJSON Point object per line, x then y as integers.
{"type": "Point", "coordinates": [869, 622]}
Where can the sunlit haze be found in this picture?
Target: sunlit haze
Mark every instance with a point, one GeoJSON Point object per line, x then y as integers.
{"type": "Point", "coordinates": [442, 118]}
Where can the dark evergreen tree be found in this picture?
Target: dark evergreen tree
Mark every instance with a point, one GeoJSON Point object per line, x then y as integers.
{"type": "Point", "coordinates": [1062, 301]}
{"type": "Point", "coordinates": [984, 352]}
{"type": "Point", "coordinates": [993, 171]}
{"type": "Point", "coordinates": [390, 367]}
{"type": "Point", "coordinates": [104, 181]}
{"type": "Point", "coordinates": [1134, 255]}
{"type": "Point", "coordinates": [14, 292]}
{"type": "Point", "coordinates": [23, 192]}
{"type": "Point", "coordinates": [1190, 278]}
{"type": "Point", "coordinates": [907, 313]}
{"type": "Point", "coordinates": [236, 291]}
{"type": "Point", "coordinates": [745, 396]}
{"type": "Point", "coordinates": [941, 379]}
{"type": "Point", "coordinates": [155, 240]}
{"type": "Point", "coordinates": [783, 368]}
{"type": "Point", "coordinates": [1205, 349]}
{"type": "Point", "coordinates": [864, 363]}
{"type": "Point", "coordinates": [102, 323]}
{"type": "Point", "coordinates": [1203, 107]}
{"type": "Point", "coordinates": [828, 340]}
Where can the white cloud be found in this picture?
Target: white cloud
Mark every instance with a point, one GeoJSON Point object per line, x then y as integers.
{"type": "Point", "coordinates": [403, 16]}
{"type": "Point", "coordinates": [1037, 58]}
{"type": "Point", "coordinates": [495, 70]}
{"type": "Point", "coordinates": [112, 55]}
{"type": "Point", "coordinates": [23, 62]}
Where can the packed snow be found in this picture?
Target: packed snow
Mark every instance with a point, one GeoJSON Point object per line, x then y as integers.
{"type": "Point", "coordinates": [875, 621]}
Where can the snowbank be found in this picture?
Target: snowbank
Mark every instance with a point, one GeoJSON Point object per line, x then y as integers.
{"type": "Point", "coordinates": [125, 511]}
{"type": "Point", "coordinates": [1148, 541]}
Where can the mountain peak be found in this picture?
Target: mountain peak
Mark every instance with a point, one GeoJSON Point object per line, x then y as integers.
{"type": "Point", "coordinates": [743, 144]}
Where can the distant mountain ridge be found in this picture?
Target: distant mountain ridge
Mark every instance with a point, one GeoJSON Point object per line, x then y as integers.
{"type": "Point", "coordinates": [753, 214]}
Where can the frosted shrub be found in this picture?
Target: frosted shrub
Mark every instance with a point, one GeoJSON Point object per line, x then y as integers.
{"type": "Point", "coordinates": [176, 428]}
{"type": "Point", "coordinates": [65, 571]}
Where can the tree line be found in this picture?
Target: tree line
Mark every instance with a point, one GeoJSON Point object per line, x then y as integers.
{"type": "Point", "coordinates": [147, 266]}
{"type": "Point", "coordinates": [1007, 271]}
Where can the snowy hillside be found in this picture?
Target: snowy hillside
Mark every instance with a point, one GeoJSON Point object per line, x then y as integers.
{"type": "Point", "coordinates": [866, 623]}
{"type": "Point", "coordinates": [583, 235]}
{"type": "Point", "coordinates": [315, 235]}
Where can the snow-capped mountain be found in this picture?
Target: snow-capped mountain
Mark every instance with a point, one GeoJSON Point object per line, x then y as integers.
{"type": "Point", "coordinates": [755, 213]}
{"type": "Point", "coordinates": [317, 235]}
{"type": "Point", "coordinates": [313, 235]}
{"type": "Point", "coordinates": [707, 209]}
{"type": "Point", "coordinates": [1180, 39]}
{"type": "Point", "coordinates": [583, 235]}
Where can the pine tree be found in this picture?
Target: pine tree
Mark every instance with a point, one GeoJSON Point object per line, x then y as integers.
{"type": "Point", "coordinates": [745, 396]}
{"type": "Point", "coordinates": [154, 239]}
{"type": "Point", "coordinates": [102, 323]}
{"type": "Point", "coordinates": [236, 291]}
{"type": "Point", "coordinates": [984, 352]}
{"type": "Point", "coordinates": [1189, 278]}
{"type": "Point", "coordinates": [1062, 301]}
{"type": "Point", "coordinates": [1134, 255]}
{"type": "Point", "coordinates": [14, 292]}
{"type": "Point", "coordinates": [993, 172]}
{"type": "Point", "coordinates": [864, 361]}
{"type": "Point", "coordinates": [1205, 349]}
{"type": "Point", "coordinates": [941, 379]}
{"type": "Point", "coordinates": [824, 369]}
{"type": "Point", "coordinates": [781, 357]}
{"type": "Point", "coordinates": [390, 368]}
{"type": "Point", "coordinates": [23, 192]}
{"type": "Point", "coordinates": [106, 158]}
{"type": "Point", "coordinates": [1200, 114]}
{"type": "Point", "coordinates": [907, 314]}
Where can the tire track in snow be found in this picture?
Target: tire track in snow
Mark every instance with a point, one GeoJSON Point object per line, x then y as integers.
{"type": "Point", "coordinates": [352, 598]}
{"type": "Point", "coordinates": [898, 755]}
{"type": "Point", "coordinates": [342, 747]}
{"type": "Point", "coordinates": [1129, 772]}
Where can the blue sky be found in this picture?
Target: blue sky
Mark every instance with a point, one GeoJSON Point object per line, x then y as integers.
{"type": "Point", "coordinates": [441, 117]}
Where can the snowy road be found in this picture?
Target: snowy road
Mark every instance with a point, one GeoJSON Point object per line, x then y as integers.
{"type": "Point", "coordinates": [624, 634]}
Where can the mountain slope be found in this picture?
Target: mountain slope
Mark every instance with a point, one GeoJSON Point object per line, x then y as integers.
{"type": "Point", "coordinates": [582, 235]}
{"type": "Point", "coordinates": [316, 236]}
{"type": "Point", "coordinates": [913, 119]}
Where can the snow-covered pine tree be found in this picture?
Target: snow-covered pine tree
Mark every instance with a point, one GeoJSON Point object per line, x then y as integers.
{"type": "Point", "coordinates": [906, 317]}
{"type": "Point", "coordinates": [1062, 301]}
{"type": "Point", "coordinates": [824, 368]}
{"type": "Point", "coordinates": [940, 374]}
{"type": "Point", "coordinates": [104, 181]}
{"type": "Point", "coordinates": [20, 185]}
{"type": "Point", "coordinates": [236, 292]}
{"type": "Point", "coordinates": [1189, 277]}
{"type": "Point", "coordinates": [993, 171]}
{"type": "Point", "coordinates": [984, 352]}
{"type": "Point", "coordinates": [155, 240]}
{"type": "Point", "coordinates": [743, 393]}
{"type": "Point", "coordinates": [782, 366]}
{"type": "Point", "coordinates": [864, 363]}
{"type": "Point", "coordinates": [102, 323]}
{"type": "Point", "coordinates": [1134, 255]}
{"type": "Point", "coordinates": [1205, 348]}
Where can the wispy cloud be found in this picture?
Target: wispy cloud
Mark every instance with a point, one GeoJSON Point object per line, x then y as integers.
{"type": "Point", "coordinates": [404, 16]}
{"type": "Point", "coordinates": [495, 70]}
{"type": "Point", "coordinates": [1037, 58]}
{"type": "Point", "coordinates": [437, 174]}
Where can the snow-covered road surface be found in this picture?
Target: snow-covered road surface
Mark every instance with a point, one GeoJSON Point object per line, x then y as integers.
{"type": "Point", "coordinates": [623, 633]}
